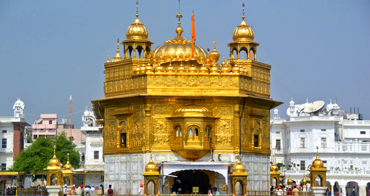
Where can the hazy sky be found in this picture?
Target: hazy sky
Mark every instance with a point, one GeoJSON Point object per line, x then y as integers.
{"type": "Point", "coordinates": [52, 49]}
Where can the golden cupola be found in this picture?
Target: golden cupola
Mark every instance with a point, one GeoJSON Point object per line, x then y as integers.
{"type": "Point", "coordinates": [67, 166]}
{"type": "Point", "coordinates": [137, 31]}
{"type": "Point", "coordinates": [151, 167]}
{"type": "Point", "coordinates": [317, 163]}
{"type": "Point", "coordinates": [54, 162]}
{"type": "Point", "coordinates": [243, 32]}
{"type": "Point", "coordinates": [178, 49]}
{"type": "Point", "coordinates": [274, 168]}
{"type": "Point", "coordinates": [238, 167]}
{"type": "Point", "coordinates": [289, 181]}
{"type": "Point", "coordinates": [192, 111]}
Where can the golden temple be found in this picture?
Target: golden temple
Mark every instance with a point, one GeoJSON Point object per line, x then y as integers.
{"type": "Point", "coordinates": [166, 101]}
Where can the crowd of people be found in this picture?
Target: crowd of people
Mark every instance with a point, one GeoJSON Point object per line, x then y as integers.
{"type": "Point", "coordinates": [84, 190]}
{"type": "Point", "coordinates": [280, 189]}
{"type": "Point", "coordinates": [210, 192]}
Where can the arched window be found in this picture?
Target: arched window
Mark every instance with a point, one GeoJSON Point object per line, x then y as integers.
{"type": "Point", "coordinates": [318, 181]}
{"type": "Point", "coordinates": [196, 132]}
{"type": "Point", "coordinates": [180, 132]}
{"type": "Point", "coordinates": [190, 132]}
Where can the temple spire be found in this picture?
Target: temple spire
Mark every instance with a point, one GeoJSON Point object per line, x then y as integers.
{"type": "Point", "coordinates": [243, 11]}
{"type": "Point", "coordinates": [137, 9]}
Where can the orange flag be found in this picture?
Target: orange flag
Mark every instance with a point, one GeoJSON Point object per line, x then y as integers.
{"type": "Point", "coordinates": [193, 38]}
{"type": "Point", "coordinates": [250, 55]}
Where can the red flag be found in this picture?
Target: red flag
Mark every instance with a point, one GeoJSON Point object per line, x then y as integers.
{"type": "Point", "coordinates": [193, 38]}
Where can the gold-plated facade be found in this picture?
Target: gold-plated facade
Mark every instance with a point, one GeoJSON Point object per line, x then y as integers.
{"type": "Point", "coordinates": [168, 101]}
{"type": "Point", "coordinates": [318, 172]}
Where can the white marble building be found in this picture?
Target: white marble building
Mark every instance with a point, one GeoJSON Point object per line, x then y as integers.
{"type": "Point", "coordinates": [12, 135]}
{"type": "Point", "coordinates": [91, 152]}
{"type": "Point", "coordinates": [343, 140]}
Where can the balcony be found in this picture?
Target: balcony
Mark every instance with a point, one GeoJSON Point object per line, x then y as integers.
{"type": "Point", "coordinates": [191, 148]}
{"type": "Point", "coordinates": [350, 147]}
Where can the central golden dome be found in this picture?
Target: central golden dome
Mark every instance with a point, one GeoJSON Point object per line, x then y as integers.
{"type": "Point", "coordinates": [274, 168]}
{"type": "Point", "coordinates": [317, 163]}
{"type": "Point", "coordinates": [54, 162]}
{"type": "Point", "coordinates": [178, 47]}
{"type": "Point", "coordinates": [151, 167]}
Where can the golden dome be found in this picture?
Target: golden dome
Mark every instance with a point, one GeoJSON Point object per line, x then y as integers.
{"type": "Point", "coordinates": [137, 31]}
{"type": "Point", "coordinates": [214, 55]}
{"type": "Point", "coordinates": [54, 162]}
{"type": "Point", "coordinates": [192, 110]}
{"type": "Point", "coordinates": [243, 32]}
{"type": "Point", "coordinates": [178, 47]}
{"type": "Point", "coordinates": [68, 166]}
{"type": "Point", "coordinates": [274, 168]}
{"type": "Point", "coordinates": [290, 181]}
{"type": "Point", "coordinates": [317, 163]}
{"type": "Point", "coordinates": [151, 167]}
{"type": "Point", "coordinates": [304, 181]}
{"type": "Point", "coordinates": [238, 167]}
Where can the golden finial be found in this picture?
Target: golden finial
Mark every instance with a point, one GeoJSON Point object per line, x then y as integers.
{"type": "Point", "coordinates": [19, 97]}
{"type": "Point", "coordinates": [108, 59]}
{"type": "Point", "coordinates": [179, 16]}
{"type": "Point", "coordinates": [54, 150]}
{"type": "Point", "coordinates": [214, 45]}
{"type": "Point", "coordinates": [137, 9]}
{"type": "Point", "coordinates": [243, 11]}
{"type": "Point", "coordinates": [317, 154]}
{"type": "Point", "coordinates": [117, 45]}
{"type": "Point", "coordinates": [68, 157]}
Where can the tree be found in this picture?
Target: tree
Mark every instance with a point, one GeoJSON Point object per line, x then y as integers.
{"type": "Point", "coordinates": [36, 157]}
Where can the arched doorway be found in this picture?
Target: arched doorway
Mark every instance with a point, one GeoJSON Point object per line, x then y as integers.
{"type": "Point", "coordinates": [188, 179]}
{"type": "Point", "coordinates": [352, 188]}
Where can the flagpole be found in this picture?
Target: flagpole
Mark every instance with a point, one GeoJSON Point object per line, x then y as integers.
{"type": "Point", "coordinates": [193, 38]}
{"type": "Point", "coordinates": [70, 103]}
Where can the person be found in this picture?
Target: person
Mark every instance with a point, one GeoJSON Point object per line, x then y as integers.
{"type": "Point", "coordinates": [336, 190]}
{"type": "Point", "coordinates": [210, 193]}
{"type": "Point", "coordinates": [295, 191]}
{"type": "Point", "coordinates": [179, 191]}
{"type": "Point", "coordinates": [87, 188]}
{"type": "Point", "coordinates": [5, 191]}
{"type": "Point", "coordinates": [110, 190]}
{"type": "Point", "coordinates": [288, 191]}
{"type": "Point", "coordinates": [353, 191]}
{"type": "Point", "coordinates": [141, 189]}
{"type": "Point", "coordinates": [102, 189]}
{"type": "Point", "coordinates": [173, 193]}
{"type": "Point", "coordinates": [78, 190]}
{"type": "Point", "coordinates": [65, 190]}
{"type": "Point", "coordinates": [279, 191]}
{"type": "Point", "coordinates": [73, 190]}
{"type": "Point", "coordinates": [92, 188]}
{"type": "Point", "coordinates": [216, 191]}
{"type": "Point", "coordinates": [272, 190]}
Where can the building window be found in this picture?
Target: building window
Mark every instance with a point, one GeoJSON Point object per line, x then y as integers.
{"type": "Point", "coordinates": [4, 143]}
{"type": "Point", "coordinates": [50, 122]}
{"type": "Point", "coordinates": [323, 129]}
{"type": "Point", "coordinates": [96, 154]}
{"type": "Point", "coordinates": [278, 132]}
{"type": "Point", "coordinates": [5, 131]}
{"type": "Point", "coordinates": [363, 132]}
{"type": "Point", "coordinates": [256, 141]}
{"type": "Point", "coordinates": [302, 142]}
{"type": "Point", "coordinates": [278, 145]}
{"type": "Point", "coordinates": [302, 130]}
{"type": "Point", "coordinates": [3, 166]}
{"type": "Point", "coordinates": [325, 163]}
{"type": "Point", "coordinates": [34, 136]}
{"type": "Point", "coordinates": [101, 178]}
{"type": "Point", "coordinates": [123, 140]}
{"type": "Point", "coordinates": [178, 131]}
{"type": "Point", "coordinates": [303, 165]}
{"type": "Point", "coordinates": [207, 132]}
{"type": "Point", "coordinates": [323, 142]}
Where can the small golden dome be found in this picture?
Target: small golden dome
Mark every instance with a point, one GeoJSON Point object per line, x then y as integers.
{"type": "Point", "coordinates": [304, 181]}
{"type": "Point", "coordinates": [317, 163]}
{"type": "Point", "coordinates": [68, 166]}
{"type": "Point", "coordinates": [290, 181]}
{"type": "Point", "coordinates": [137, 31]}
{"type": "Point", "coordinates": [243, 32]}
{"type": "Point", "coordinates": [54, 162]}
{"type": "Point", "coordinates": [151, 167]}
{"type": "Point", "coordinates": [274, 168]}
{"type": "Point", "coordinates": [214, 55]}
{"type": "Point", "coordinates": [238, 167]}
{"type": "Point", "coordinates": [193, 110]}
